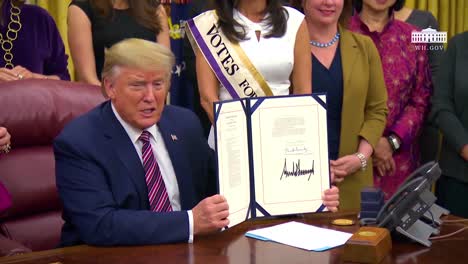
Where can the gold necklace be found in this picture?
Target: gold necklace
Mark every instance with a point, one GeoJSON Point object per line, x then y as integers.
{"type": "Point", "coordinates": [12, 33]}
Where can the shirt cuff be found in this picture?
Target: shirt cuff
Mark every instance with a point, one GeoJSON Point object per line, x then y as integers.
{"type": "Point", "coordinates": [190, 220]}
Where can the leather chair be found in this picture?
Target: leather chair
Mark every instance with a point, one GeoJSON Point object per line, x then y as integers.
{"type": "Point", "coordinates": [34, 112]}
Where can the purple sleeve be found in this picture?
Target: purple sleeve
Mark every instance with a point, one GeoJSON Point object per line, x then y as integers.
{"type": "Point", "coordinates": [57, 62]}
{"type": "Point", "coordinates": [408, 126]}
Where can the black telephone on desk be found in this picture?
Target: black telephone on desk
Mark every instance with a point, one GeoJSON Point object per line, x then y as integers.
{"type": "Point", "coordinates": [412, 211]}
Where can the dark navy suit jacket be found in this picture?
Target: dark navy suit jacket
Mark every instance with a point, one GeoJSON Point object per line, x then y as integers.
{"type": "Point", "coordinates": [101, 180]}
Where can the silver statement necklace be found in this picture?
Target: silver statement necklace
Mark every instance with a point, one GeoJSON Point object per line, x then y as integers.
{"type": "Point", "coordinates": [328, 44]}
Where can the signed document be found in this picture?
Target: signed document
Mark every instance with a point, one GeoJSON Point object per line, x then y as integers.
{"type": "Point", "coordinates": [272, 155]}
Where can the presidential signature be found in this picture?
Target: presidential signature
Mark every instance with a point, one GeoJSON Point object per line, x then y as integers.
{"type": "Point", "coordinates": [296, 150]}
{"type": "Point", "coordinates": [296, 170]}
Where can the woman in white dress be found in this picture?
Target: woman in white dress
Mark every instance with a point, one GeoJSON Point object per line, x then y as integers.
{"type": "Point", "coordinates": [273, 37]}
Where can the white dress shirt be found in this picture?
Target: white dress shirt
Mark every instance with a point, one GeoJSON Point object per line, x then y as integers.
{"type": "Point", "coordinates": [163, 160]}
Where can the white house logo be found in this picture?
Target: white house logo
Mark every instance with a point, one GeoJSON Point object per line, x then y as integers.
{"type": "Point", "coordinates": [428, 35]}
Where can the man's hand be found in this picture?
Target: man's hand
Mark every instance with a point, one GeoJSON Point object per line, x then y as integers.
{"type": "Point", "coordinates": [210, 215]}
{"type": "Point", "coordinates": [331, 198]}
{"type": "Point", "coordinates": [383, 157]}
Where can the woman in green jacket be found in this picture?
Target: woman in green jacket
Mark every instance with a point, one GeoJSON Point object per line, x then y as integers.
{"type": "Point", "coordinates": [347, 67]}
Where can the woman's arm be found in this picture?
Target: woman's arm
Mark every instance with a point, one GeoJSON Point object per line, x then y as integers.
{"type": "Point", "coordinates": [375, 116]}
{"type": "Point", "coordinates": [56, 63]}
{"type": "Point", "coordinates": [301, 75]}
{"type": "Point", "coordinates": [20, 72]}
{"type": "Point", "coordinates": [408, 126]}
{"type": "Point", "coordinates": [42, 76]}
{"type": "Point", "coordinates": [163, 36]}
{"type": "Point", "coordinates": [207, 85]}
{"type": "Point", "coordinates": [349, 164]}
{"type": "Point", "coordinates": [80, 40]}
{"type": "Point", "coordinates": [376, 110]}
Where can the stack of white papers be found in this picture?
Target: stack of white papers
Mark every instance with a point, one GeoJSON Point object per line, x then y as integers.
{"type": "Point", "coordinates": [302, 236]}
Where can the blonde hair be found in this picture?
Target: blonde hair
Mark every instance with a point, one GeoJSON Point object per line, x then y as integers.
{"type": "Point", "coordinates": [137, 53]}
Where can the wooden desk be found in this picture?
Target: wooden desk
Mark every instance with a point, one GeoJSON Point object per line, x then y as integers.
{"type": "Point", "coordinates": [233, 247]}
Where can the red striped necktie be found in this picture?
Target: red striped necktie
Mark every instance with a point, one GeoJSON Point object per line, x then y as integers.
{"type": "Point", "coordinates": [157, 193]}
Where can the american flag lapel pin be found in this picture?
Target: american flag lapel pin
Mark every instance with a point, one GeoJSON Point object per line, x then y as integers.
{"type": "Point", "coordinates": [174, 137]}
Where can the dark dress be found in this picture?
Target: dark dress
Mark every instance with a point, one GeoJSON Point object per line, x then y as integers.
{"type": "Point", "coordinates": [108, 31]}
{"type": "Point", "coordinates": [39, 47]}
{"type": "Point", "coordinates": [330, 81]}
{"type": "Point", "coordinates": [196, 7]}
{"type": "Point", "coordinates": [429, 139]}
{"type": "Point", "coordinates": [450, 114]}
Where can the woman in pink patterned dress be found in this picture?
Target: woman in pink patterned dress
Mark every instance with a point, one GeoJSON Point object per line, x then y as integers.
{"type": "Point", "coordinates": [407, 77]}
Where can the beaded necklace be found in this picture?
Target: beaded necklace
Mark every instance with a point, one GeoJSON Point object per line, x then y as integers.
{"type": "Point", "coordinates": [328, 44]}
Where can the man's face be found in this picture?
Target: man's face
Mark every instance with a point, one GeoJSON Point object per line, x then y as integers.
{"type": "Point", "coordinates": [138, 95]}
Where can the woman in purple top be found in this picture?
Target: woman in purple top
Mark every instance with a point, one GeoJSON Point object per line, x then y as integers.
{"type": "Point", "coordinates": [408, 80]}
{"type": "Point", "coordinates": [31, 46]}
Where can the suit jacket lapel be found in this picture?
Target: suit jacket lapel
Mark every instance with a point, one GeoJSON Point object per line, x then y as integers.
{"type": "Point", "coordinates": [120, 143]}
{"type": "Point", "coordinates": [175, 146]}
